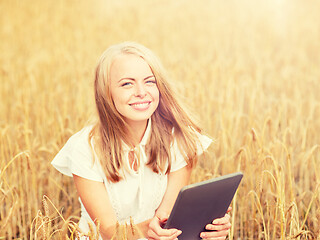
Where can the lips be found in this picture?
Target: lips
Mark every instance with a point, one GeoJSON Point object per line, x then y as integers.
{"type": "Point", "coordinates": [140, 105]}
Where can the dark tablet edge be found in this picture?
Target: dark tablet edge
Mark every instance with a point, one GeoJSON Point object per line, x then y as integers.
{"type": "Point", "coordinates": [216, 179]}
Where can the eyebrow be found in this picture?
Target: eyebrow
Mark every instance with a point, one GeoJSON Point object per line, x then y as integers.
{"type": "Point", "coordinates": [127, 78]}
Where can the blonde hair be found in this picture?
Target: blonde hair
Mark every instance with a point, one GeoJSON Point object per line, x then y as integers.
{"type": "Point", "coordinates": [169, 121]}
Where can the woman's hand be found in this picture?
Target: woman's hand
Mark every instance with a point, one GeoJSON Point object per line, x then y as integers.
{"type": "Point", "coordinates": [156, 231]}
{"type": "Point", "coordinates": [219, 228]}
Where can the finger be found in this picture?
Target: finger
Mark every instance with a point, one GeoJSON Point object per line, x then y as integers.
{"type": "Point", "coordinates": [153, 235]}
{"type": "Point", "coordinates": [216, 238]}
{"type": "Point", "coordinates": [156, 228]}
{"type": "Point", "coordinates": [166, 232]}
{"type": "Point", "coordinates": [222, 220]}
{"type": "Point", "coordinates": [213, 227]}
{"type": "Point", "coordinates": [219, 234]}
{"type": "Point", "coordinates": [163, 219]}
{"type": "Point", "coordinates": [156, 236]}
{"type": "Point", "coordinates": [229, 209]}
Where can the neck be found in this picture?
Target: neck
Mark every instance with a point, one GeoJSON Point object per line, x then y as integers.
{"type": "Point", "coordinates": [138, 129]}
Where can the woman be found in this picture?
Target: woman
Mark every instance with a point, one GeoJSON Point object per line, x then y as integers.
{"type": "Point", "coordinates": [134, 160]}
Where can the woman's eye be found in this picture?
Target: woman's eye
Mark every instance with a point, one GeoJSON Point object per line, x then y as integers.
{"type": "Point", "coordinates": [151, 82]}
{"type": "Point", "coordinates": [126, 84]}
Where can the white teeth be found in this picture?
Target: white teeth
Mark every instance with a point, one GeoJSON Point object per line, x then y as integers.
{"type": "Point", "coordinates": [140, 105]}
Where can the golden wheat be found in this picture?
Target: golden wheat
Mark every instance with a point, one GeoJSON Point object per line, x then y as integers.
{"type": "Point", "coordinates": [250, 69]}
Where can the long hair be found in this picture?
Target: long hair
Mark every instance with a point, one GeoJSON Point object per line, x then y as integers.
{"type": "Point", "coordinates": [170, 122]}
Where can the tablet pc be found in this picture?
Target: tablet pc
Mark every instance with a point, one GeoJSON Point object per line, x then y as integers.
{"type": "Point", "coordinates": [200, 203]}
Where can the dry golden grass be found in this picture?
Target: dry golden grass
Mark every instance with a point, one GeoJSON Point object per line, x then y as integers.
{"type": "Point", "coordinates": [250, 69]}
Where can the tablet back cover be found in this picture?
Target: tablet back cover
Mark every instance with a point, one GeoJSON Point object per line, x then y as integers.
{"type": "Point", "coordinates": [200, 203]}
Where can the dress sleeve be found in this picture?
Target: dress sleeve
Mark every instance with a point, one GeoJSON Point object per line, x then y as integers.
{"type": "Point", "coordinates": [178, 160]}
{"type": "Point", "coordinates": [76, 158]}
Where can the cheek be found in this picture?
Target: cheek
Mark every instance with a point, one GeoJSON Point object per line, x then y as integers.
{"type": "Point", "coordinates": [117, 100]}
{"type": "Point", "coordinates": [155, 94]}
{"type": "Point", "coordinates": [119, 97]}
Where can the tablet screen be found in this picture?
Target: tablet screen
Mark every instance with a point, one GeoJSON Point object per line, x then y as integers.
{"type": "Point", "coordinates": [200, 203]}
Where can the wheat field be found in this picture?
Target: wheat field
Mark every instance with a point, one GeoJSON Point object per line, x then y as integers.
{"type": "Point", "coordinates": [249, 69]}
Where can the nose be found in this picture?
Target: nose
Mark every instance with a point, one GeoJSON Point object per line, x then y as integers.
{"type": "Point", "coordinates": [140, 90]}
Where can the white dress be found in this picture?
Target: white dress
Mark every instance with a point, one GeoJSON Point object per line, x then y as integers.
{"type": "Point", "coordinates": [138, 195]}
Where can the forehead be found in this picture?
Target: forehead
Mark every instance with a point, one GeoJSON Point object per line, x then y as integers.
{"type": "Point", "coordinates": [129, 65]}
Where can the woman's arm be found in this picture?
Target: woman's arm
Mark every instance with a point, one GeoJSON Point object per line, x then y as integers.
{"type": "Point", "coordinates": [95, 199]}
{"type": "Point", "coordinates": [176, 180]}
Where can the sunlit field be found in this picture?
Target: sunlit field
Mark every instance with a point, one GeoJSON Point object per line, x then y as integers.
{"type": "Point", "coordinates": [250, 71]}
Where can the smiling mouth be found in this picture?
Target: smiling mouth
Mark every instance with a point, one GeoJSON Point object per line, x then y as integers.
{"type": "Point", "coordinates": [140, 106]}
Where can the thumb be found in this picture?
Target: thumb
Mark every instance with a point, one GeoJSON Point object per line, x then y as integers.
{"type": "Point", "coordinates": [162, 216]}
{"type": "Point", "coordinates": [229, 209]}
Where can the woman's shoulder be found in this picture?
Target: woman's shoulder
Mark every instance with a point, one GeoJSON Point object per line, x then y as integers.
{"type": "Point", "coordinates": [82, 136]}
{"type": "Point", "coordinates": [202, 141]}
{"type": "Point", "coordinates": [76, 157]}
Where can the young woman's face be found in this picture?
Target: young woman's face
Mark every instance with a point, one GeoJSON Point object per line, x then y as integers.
{"type": "Point", "coordinates": [133, 88]}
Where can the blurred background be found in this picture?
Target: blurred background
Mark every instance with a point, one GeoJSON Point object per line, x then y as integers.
{"type": "Point", "coordinates": [249, 69]}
